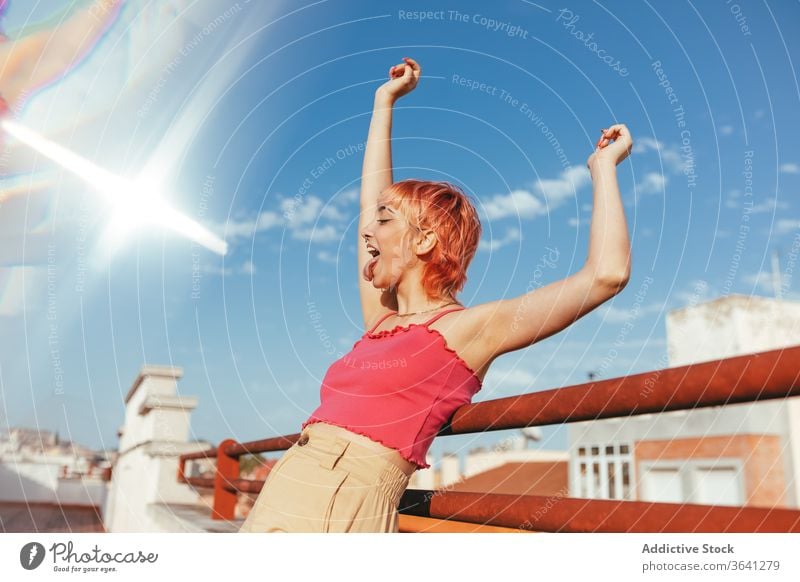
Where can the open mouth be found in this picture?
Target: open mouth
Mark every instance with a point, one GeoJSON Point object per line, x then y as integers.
{"type": "Point", "coordinates": [369, 268]}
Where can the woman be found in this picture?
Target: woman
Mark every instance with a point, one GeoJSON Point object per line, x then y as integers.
{"type": "Point", "coordinates": [425, 354]}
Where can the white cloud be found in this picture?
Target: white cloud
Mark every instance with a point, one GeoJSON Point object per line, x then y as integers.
{"type": "Point", "coordinates": [302, 211]}
{"type": "Point", "coordinates": [516, 203]}
{"type": "Point", "coordinates": [309, 219]}
{"type": "Point", "coordinates": [726, 129]}
{"type": "Point", "coordinates": [348, 196]}
{"type": "Point", "coordinates": [512, 234]}
{"type": "Point", "coordinates": [332, 213]}
{"type": "Point", "coordinates": [790, 168]}
{"type": "Point", "coordinates": [653, 183]}
{"type": "Point", "coordinates": [216, 270]}
{"type": "Point", "coordinates": [327, 257]}
{"type": "Point", "coordinates": [565, 186]}
{"type": "Point", "coordinates": [785, 225]}
{"type": "Point", "coordinates": [611, 314]}
{"type": "Point", "coordinates": [247, 228]}
{"type": "Point", "coordinates": [696, 291]}
{"type": "Point", "coordinates": [246, 268]}
{"type": "Point", "coordinates": [670, 155]}
{"type": "Point", "coordinates": [526, 204]}
{"type": "Point", "coordinates": [769, 205]}
{"type": "Point", "coordinates": [644, 144]}
{"type": "Point", "coordinates": [327, 233]}
{"type": "Point", "coordinates": [763, 281]}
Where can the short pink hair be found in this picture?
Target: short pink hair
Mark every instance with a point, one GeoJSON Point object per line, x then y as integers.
{"type": "Point", "coordinates": [450, 213]}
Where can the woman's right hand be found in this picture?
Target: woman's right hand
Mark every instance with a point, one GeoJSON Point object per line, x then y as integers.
{"type": "Point", "coordinates": [403, 78]}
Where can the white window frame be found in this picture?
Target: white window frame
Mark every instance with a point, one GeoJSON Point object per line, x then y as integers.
{"type": "Point", "coordinates": [585, 485]}
{"type": "Point", "coordinates": [688, 474]}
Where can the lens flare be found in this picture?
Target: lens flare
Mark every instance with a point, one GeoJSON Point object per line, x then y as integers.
{"type": "Point", "coordinates": [137, 203]}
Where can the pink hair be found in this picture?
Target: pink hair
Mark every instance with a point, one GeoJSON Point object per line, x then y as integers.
{"type": "Point", "coordinates": [445, 209]}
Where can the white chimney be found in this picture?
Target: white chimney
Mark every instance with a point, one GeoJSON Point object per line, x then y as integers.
{"type": "Point", "coordinates": [450, 471]}
{"type": "Point", "coordinates": [155, 433]}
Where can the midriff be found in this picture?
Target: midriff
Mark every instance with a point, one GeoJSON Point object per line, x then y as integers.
{"type": "Point", "coordinates": [387, 453]}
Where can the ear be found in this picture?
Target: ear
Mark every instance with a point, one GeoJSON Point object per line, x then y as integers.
{"type": "Point", "coordinates": [426, 241]}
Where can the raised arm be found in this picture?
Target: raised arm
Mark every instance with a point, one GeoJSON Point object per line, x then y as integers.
{"type": "Point", "coordinates": [42, 57]}
{"type": "Point", "coordinates": [512, 324]}
{"type": "Point", "coordinates": [376, 176]}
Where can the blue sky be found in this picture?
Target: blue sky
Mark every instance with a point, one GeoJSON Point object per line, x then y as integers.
{"type": "Point", "coordinates": [257, 125]}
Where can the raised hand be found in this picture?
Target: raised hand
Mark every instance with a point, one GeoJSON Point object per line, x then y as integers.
{"type": "Point", "coordinates": [614, 146]}
{"type": "Point", "coordinates": [403, 79]}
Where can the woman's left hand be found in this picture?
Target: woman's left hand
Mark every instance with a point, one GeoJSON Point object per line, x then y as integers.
{"type": "Point", "coordinates": [612, 151]}
{"type": "Point", "coordinates": [403, 79]}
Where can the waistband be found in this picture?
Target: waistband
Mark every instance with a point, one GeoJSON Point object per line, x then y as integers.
{"type": "Point", "coordinates": [359, 445]}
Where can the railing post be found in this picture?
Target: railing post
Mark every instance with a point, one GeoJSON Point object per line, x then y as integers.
{"type": "Point", "coordinates": [181, 469]}
{"type": "Point", "coordinates": [227, 472]}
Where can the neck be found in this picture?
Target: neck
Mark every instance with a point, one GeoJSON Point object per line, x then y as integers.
{"type": "Point", "coordinates": [415, 300]}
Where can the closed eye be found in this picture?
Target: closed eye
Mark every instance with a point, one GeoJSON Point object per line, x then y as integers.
{"type": "Point", "coordinates": [384, 220]}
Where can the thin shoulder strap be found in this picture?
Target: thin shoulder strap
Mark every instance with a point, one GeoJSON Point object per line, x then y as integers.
{"type": "Point", "coordinates": [381, 321]}
{"type": "Point", "coordinates": [438, 315]}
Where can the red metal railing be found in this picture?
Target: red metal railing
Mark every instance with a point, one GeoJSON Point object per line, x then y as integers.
{"type": "Point", "coordinates": [749, 378]}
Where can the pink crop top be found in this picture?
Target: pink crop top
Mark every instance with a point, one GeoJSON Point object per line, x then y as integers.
{"type": "Point", "coordinates": [397, 387]}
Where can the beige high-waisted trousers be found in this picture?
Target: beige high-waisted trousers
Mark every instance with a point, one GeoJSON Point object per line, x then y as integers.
{"type": "Point", "coordinates": [332, 480]}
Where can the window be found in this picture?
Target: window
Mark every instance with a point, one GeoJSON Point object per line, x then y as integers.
{"type": "Point", "coordinates": [584, 489]}
{"type": "Point", "coordinates": [705, 481]}
{"type": "Point", "coordinates": [716, 485]}
{"type": "Point", "coordinates": [662, 484]}
{"type": "Point", "coordinates": [626, 480]}
{"type": "Point", "coordinates": [605, 474]}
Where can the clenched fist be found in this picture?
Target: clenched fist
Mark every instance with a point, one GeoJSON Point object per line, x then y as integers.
{"type": "Point", "coordinates": [403, 79]}
{"type": "Point", "coordinates": [614, 145]}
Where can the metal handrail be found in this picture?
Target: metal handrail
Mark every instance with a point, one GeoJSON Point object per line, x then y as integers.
{"type": "Point", "coordinates": [747, 378]}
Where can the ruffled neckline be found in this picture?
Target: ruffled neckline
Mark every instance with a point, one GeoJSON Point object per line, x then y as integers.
{"type": "Point", "coordinates": [399, 328]}
{"type": "Point", "coordinates": [395, 329]}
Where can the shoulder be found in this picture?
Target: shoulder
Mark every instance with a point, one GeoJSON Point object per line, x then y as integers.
{"type": "Point", "coordinates": [378, 318]}
{"type": "Point", "coordinates": [465, 331]}
{"type": "Point", "coordinates": [467, 324]}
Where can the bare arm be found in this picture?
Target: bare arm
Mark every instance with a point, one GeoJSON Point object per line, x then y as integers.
{"type": "Point", "coordinates": [376, 171]}
{"type": "Point", "coordinates": [519, 322]}
{"type": "Point", "coordinates": [609, 246]}
{"type": "Point", "coordinates": [40, 58]}
{"type": "Point", "coordinates": [376, 176]}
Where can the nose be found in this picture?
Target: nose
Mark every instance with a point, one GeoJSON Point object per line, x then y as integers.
{"type": "Point", "coordinates": [366, 233]}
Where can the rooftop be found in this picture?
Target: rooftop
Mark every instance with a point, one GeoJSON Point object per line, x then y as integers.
{"type": "Point", "coordinates": [20, 517]}
{"type": "Point", "coordinates": [519, 478]}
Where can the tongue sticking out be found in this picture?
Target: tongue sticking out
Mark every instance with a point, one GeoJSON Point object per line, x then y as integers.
{"type": "Point", "coordinates": [369, 269]}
